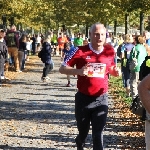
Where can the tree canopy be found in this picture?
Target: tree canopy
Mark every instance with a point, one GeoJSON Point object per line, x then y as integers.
{"type": "Point", "coordinates": [53, 13]}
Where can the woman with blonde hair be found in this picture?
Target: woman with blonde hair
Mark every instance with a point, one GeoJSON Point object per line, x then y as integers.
{"type": "Point", "coordinates": [125, 55]}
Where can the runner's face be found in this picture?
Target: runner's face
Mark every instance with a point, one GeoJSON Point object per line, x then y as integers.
{"type": "Point", "coordinates": [85, 42]}
{"type": "Point", "coordinates": [68, 48]}
{"type": "Point", "coordinates": [98, 36]}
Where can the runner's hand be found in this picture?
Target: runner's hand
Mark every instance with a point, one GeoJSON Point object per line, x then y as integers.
{"type": "Point", "coordinates": [117, 71]}
{"type": "Point", "coordinates": [83, 71]}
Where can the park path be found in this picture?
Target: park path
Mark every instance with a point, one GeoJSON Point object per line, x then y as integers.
{"type": "Point", "coordinates": [40, 116]}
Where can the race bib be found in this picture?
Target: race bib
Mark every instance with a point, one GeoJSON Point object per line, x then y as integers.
{"type": "Point", "coordinates": [96, 70]}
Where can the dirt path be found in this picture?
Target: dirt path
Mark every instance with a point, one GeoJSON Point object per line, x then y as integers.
{"type": "Point", "coordinates": [35, 115]}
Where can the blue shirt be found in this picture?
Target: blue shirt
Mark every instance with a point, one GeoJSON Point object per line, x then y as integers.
{"type": "Point", "coordinates": [127, 47]}
{"type": "Point", "coordinates": [148, 42]}
{"type": "Point", "coordinates": [66, 52]}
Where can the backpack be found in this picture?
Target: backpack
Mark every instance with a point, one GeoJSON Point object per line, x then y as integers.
{"type": "Point", "coordinates": [127, 48]}
{"type": "Point", "coordinates": [3, 51]}
{"type": "Point", "coordinates": [119, 50]}
{"type": "Point", "coordinates": [40, 53]}
{"type": "Point", "coordinates": [133, 60]}
{"type": "Point", "coordinates": [11, 39]}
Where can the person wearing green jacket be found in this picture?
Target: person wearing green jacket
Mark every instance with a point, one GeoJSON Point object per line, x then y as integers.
{"type": "Point", "coordinates": [137, 56]}
{"type": "Point", "coordinates": [54, 39]}
{"type": "Point", "coordinates": [54, 44]}
{"type": "Point", "coordinates": [78, 41]}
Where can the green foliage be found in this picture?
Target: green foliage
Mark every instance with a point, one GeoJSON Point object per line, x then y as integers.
{"type": "Point", "coordinates": [117, 89]}
{"type": "Point", "coordinates": [50, 13]}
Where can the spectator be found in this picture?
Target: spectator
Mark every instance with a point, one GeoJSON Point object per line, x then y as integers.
{"type": "Point", "coordinates": [125, 55]}
{"type": "Point", "coordinates": [28, 47]}
{"type": "Point", "coordinates": [2, 35]}
{"type": "Point", "coordinates": [12, 42]}
{"type": "Point", "coordinates": [3, 53]}
{"type": "Point", "coordinates": [46, 59]}
{"type": "Point", "coordinates": [33, 44]}
{"type": "Point", "coordinates": [22, 52]}
{"type": "Point", "coordinates": [139, 53]}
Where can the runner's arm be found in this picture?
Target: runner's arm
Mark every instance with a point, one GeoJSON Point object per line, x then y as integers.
{"type": "Point", "coordinates": [72, 71]}
{"type": "Point", "coordinates": [69, 61]}
{"type": "Point", "coordinates": [114, 71]}
{"type": "Point", "coordinates": [62, 56]}
{"type": "Point", "coordinates": [144, 92]}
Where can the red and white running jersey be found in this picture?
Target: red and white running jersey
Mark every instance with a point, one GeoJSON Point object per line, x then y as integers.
{"type": "Point", "coordinates": [83, 55]}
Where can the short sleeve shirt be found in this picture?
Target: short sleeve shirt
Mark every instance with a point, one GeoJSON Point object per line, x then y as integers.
{"type": "Point", "coordinates": [78, 41]}
{"type": "Point", "coordinates": [83, 55]}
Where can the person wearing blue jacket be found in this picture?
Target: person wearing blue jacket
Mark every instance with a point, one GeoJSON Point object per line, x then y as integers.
{"type": "Point", "coordinates": [68, 47]}
{"type": "Point", "coordinates": [46, 58]}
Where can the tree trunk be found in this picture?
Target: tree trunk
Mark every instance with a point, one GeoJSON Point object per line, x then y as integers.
{"type": "Point", "coordinates": [86, 31]}
{"type": "Point", "coordinates": [115, 27]}
{"type": "Point", "coordinates": [141, 23]}
{"type": "Point", "coordinates": [126, 23]}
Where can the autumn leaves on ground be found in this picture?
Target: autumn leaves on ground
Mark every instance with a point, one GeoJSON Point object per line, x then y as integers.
{"type": "Point", "coordinates": [130, 126]}
{"type": "Point", "coordinates": [11, 74]}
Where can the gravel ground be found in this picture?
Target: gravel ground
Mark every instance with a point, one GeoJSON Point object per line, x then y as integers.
{"type": "Point", "coordinates": [36, 115]}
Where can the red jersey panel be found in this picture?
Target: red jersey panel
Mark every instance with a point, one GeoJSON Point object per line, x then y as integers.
{"type": "Point", "coordinates": [83, 55]}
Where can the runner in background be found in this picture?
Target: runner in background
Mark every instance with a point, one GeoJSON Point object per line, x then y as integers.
{"type": "Point", "coordinates": [66, 51]}
{"type": "Point", "coordinates": [85, 42]}
{"type": "Point", "coordinates": [12, 42]}
{"type": "Point", "coordinates": [61, 41]}
{"type": "Point", "coordinates": [28, 47]}
{"type": "Point", "coordinates": [54, 43]}
{"type": "Point", "coordinates": [78, 41]}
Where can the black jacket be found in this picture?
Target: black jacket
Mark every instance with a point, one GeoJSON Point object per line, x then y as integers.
{"type": "Point", "coordinates": [46, 53]}
{"type": "Point", "coordinates": [3, 52]}
{"type": "Point", "coordinates": [145, 68]}
{"type": "Point", "coordinates": [22, 46]}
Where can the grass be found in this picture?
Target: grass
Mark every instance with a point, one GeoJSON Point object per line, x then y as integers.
{"type": "Point", "coordinates": [117, 89]}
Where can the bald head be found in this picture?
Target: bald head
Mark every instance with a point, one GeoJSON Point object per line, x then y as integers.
{"type": "Point", "coordinates": [94, 26]}
{"type": "Point", "coordinates": [97, 35]}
